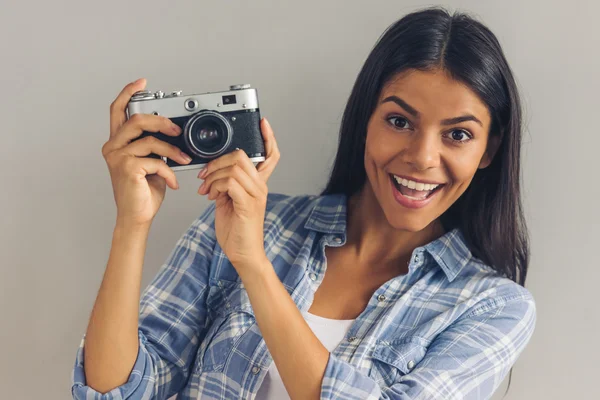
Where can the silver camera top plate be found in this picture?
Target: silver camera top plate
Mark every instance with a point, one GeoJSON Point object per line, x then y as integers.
{"type": "Point", "coordinates": [177, 105]}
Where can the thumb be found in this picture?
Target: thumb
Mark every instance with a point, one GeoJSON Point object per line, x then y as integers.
{"type": "Point", "coordinates": [140, 84]}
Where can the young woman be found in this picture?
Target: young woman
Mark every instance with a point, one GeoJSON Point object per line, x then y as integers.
{"type": "Point", "coordinates": [402, 280]}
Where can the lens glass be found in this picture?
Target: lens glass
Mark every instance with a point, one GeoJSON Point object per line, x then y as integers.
{"type": "Point", "coordinates": [209, 135]}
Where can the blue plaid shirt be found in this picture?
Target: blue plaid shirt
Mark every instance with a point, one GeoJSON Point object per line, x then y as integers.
{"type": "Point", "coordinates": [451, 328]}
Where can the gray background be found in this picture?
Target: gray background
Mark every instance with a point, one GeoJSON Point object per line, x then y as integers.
{"type": "Point", "coordinates": [63, 62]}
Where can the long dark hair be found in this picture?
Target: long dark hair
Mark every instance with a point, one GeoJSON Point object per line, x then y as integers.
{"type": "Point", "coordinates": [489, 213]}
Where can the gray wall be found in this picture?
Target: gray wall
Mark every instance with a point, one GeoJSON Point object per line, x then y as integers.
{"type": "Point", "coordinates": [63, 62]}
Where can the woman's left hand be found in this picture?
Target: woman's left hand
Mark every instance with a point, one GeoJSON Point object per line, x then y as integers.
{"type": "Point", "coordinates": [240, 190]}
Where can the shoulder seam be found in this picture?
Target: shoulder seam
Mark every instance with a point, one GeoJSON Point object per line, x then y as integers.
{"type": "Point", "coordinates": [494, 303]}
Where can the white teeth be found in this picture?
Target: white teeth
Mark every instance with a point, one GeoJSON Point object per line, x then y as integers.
{"type": "Point", "coordinates": [415, 185]}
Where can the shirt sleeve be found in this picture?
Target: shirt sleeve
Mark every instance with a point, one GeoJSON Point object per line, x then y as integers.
{"type": "Point", "coordinates": [468, 360]}
{"type": "Point", "coordinates": [172, 321]}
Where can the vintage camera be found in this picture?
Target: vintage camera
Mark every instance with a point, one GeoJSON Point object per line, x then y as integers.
{"type": "Point", "coordinates": [212, 124]}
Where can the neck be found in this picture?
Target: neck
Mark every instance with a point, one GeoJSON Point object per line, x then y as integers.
{"type": "Point", "coordinates": [374, 241]}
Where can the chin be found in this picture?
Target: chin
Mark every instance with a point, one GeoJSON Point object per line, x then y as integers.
{"type": "Point", "coordinates": [407, 223]}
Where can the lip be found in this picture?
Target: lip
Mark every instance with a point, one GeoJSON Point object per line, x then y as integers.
{"type": "Point", "coordinates": [410, 203]}
{"type": "Point", "coordinates": [417, 180]}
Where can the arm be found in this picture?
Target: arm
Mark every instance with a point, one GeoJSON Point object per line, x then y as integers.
{"type": "Point", "coordinates": [172, 321]}
{"type": "Point", "coordinates": [111, 338]}
{"type": "Point", "coordinates": [472, 356]}
{"type": "Point", "coordinates": [299, 355]}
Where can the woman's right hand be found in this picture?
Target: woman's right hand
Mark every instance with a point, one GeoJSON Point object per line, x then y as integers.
{"type": "Point", "coordinates": [139, 183]}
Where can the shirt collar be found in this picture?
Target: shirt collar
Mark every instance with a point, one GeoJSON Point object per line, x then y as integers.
{"type": "Point", "coordinates": [328, 215]}
{"type": "Point", "coordinates": [449, 251]}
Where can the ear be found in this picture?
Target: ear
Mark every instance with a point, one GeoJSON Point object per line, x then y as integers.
{"type": "Point", "coordinates": [492, 147]}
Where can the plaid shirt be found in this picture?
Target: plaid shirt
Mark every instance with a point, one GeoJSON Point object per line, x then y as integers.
{"type": "Point", "coordinates": [451, 328]}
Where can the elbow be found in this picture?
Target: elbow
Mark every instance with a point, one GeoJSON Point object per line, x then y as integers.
{"type": "Point", "coordinates": [101, 382]}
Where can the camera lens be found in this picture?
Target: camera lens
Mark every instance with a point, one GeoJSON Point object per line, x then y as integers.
{"type": "Point", "coordinates": [207, 134]}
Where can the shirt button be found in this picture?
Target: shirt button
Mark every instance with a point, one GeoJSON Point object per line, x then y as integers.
{"type": "Point", "coordinates": [411, 364]}
{"type": "Point", "coordinates": [352, 339]}
{"type": "Point", "coordinates": [255, 370]}
{"type": "Point", "coordinates": [381, 297]}
{"type": "Point", "coordinates": [416, 258]}
{"type": "Point", "coordinates": [337, 240]}
{"type": "Point", "coordinates": [313, 277]}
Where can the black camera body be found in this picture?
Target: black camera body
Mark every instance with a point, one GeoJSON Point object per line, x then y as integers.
{"type": "Point", "coordinates": [212, 124]}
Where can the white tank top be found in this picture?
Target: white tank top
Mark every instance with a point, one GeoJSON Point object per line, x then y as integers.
{"type": "Point", "coordinates": [329, 331]}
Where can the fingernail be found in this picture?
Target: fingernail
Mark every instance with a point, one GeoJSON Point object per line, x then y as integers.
{"type": "Point", "coordinates": [138, 81]}
{"type": "Point", "coordinates": [202, 173]}
{"type": "Point", "coordinates": [186, 157]}
{"type": "Point", "coordinates": [202, 186]}
{"type": "Point", "coordinates": [176, 128]}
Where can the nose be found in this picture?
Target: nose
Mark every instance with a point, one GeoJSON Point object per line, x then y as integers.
{"type": "Point", "coordinates": [422, 151]}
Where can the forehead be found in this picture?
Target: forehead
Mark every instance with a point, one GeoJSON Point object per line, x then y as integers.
{"type": "Point", "coordinates": [435, 93]}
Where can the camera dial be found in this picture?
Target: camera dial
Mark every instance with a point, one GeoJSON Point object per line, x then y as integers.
{"type": "Point", "coordinates": [142, 95]}
{"type": "Point", "coordinates": [240, 86]}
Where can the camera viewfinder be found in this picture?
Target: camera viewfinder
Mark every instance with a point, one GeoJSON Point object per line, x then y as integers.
{"type": "Point", "coordinates": [229, 99]}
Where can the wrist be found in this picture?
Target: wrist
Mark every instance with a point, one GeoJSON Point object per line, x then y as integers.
{"type": "Point", "coordinates": [256, 269]}
{"type": "Point", "coordinates": [129, 227]}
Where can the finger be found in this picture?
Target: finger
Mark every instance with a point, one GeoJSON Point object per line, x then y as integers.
{"type": "Point", "coordinates": [139, 123]}
{"type": "Point", "coordinates": [117, 107]}
{"type": "Point", "coordinates": [265, 168]}
{"type": "Point", "coordinates": [238, 157]}
{"type": "Point", "coordinates": [269, 138]}
{"type": "Point", "coordinates": [233, 189]}
{"type": "Point", "coordinates": [148, 166]}
{"type": "Point", "coordinates": [150, 144]}
{"type": "Point", "coordinates": [237, 173]}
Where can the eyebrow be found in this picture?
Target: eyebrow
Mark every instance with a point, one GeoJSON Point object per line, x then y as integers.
{"type": "Point", "coordinates": [409, 109]}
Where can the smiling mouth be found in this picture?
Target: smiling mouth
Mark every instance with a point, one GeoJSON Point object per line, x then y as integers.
{"type": "Point", "coordinates": [414, 190]}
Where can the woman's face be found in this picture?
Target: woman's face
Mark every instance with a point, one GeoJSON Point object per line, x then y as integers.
{"type": "Point", "coordinates": [418, 161]}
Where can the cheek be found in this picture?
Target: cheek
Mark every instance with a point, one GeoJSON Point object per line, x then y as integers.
{"type": "Point", "coordinates": [461, 168]}
{"type": "Point", "coordinates": [380, 148]}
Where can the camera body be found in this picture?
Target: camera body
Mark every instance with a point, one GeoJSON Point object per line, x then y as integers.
{"type": "Point", "coordinates": [212, 124]}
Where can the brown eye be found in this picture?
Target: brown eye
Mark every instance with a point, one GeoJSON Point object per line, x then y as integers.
{"type": "Point", "coordinates": [398, 122]}
{"type": "Point", "coordinates": [459, 135]}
